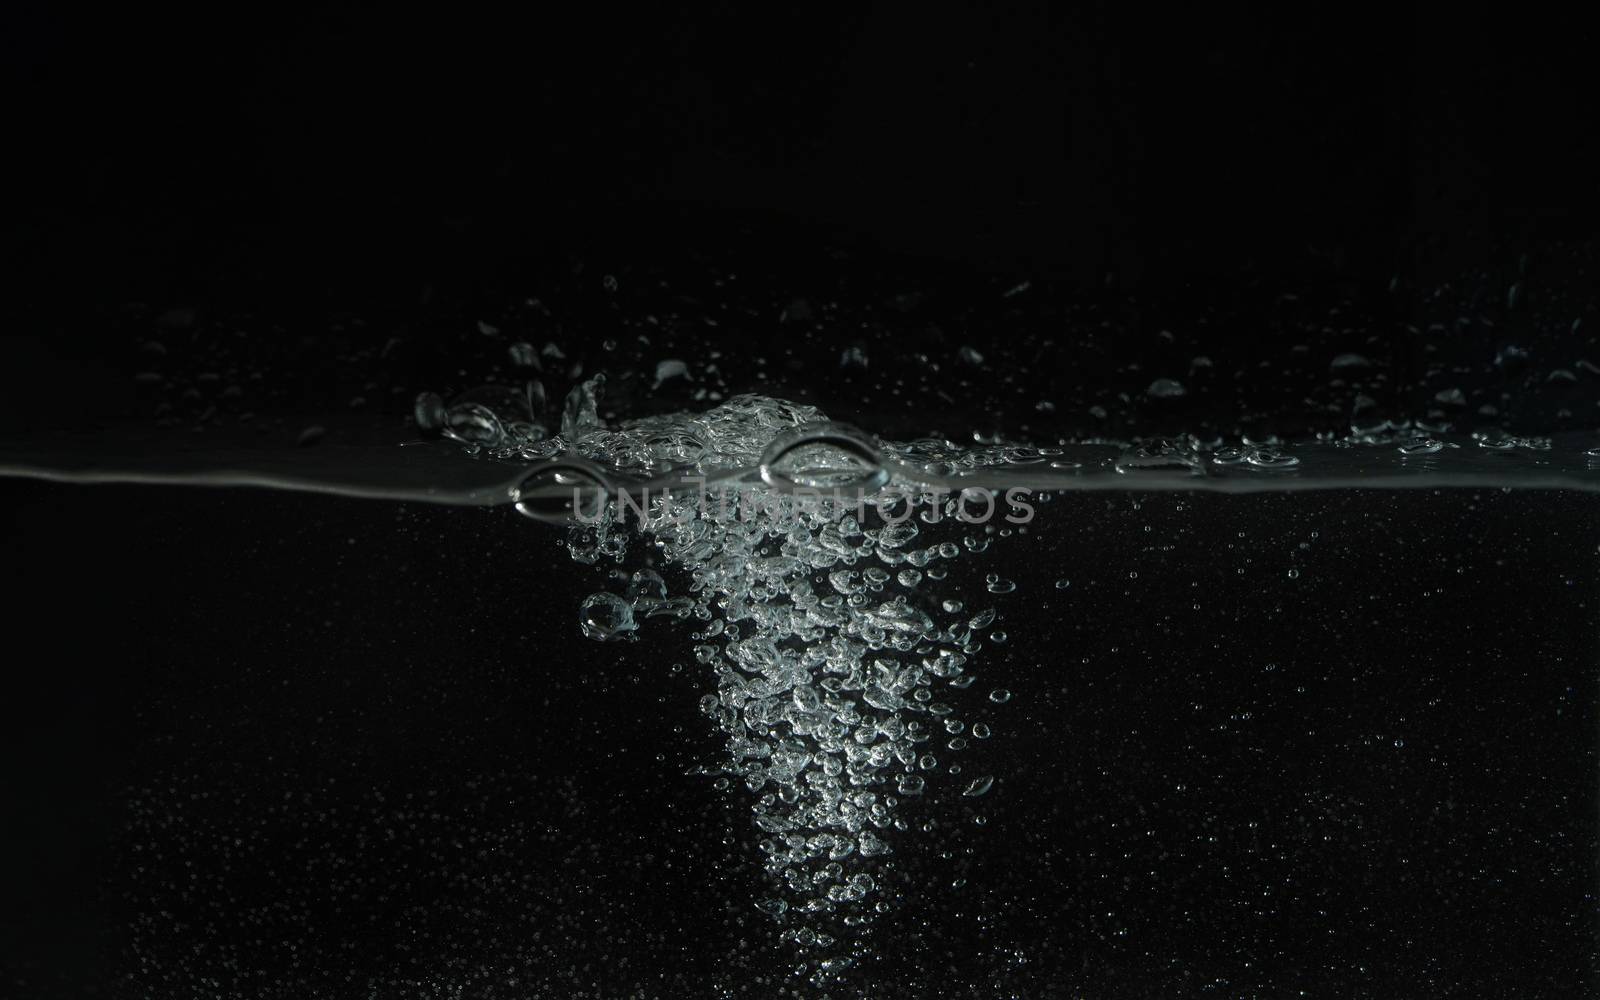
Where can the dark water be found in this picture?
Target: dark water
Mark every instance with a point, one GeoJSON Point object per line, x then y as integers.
{"type": "Point", "coordinates": [274, 745]}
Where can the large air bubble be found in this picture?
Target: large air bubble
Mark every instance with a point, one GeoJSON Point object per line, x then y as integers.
{"type": "Point", "coordinates": [825, 455]}
{"type": "Point", "coordinates": [563, 490]}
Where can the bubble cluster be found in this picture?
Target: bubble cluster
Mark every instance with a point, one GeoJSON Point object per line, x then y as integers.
{"type": "Point", "coordinates": [831, 663]}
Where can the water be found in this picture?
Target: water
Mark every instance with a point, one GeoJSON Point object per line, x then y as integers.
{"type": "Point", "coordinates": [1074, 681]}
{"type": "Point", "coordinates": [405, 773]}
{"type": "Point", "coordinates": [853, 611]}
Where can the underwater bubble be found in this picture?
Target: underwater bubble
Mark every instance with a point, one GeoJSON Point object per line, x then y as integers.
{"type": "Point", "coordinates": [1063, 583]}
{"type": "Point", "coordinates": [1001, 586]}
{"type": "Point", "coordinates": [647, 584]}
{"type": "Point", "coordinates": [894, 536]}
{"type": "Point", "coordinates": [1000, 696]}
{"type": "Point", "coordinates": [1166, 388]}
{"type": "Point", "coordinates": [563, 489]}
{"type": "Point", "coordinates": [979, 786]}
{"type": "Point", "coordinates": [823, 455]}
{"type": "Point", "coordinates": [606, 617]}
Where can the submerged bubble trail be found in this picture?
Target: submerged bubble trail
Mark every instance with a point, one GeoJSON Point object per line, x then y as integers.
{"type": "Point", "coordinates": [833, 669]}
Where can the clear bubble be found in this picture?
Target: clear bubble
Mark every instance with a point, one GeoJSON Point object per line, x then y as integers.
{"type": "Point", "coordinates": [562, 490]}
{"type": "Point", "coordinates": [606, 617]}
{"type": "Point", "coordinates": [473, 424]}
{"type": "Point", "coordinates": [823, 455]}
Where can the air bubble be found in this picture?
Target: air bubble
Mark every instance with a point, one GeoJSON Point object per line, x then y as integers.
{"type": "Point", "coordinates": [825, 455]}
{"type": "Point", "coordinates": [563, 489]}
{"type": "Point", "coordinates": [606, 617]}
{"type": "Point", "coordinates": [1427, 446]}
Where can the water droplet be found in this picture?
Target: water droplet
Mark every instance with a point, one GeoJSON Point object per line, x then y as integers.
{"type": "Point", "coordinates": [580, 412]}
{"type": "Point", "coordinates": [428, 410]}
{"type": "Point", "coordinates": [473, 424]}
{"type": "Point", "coordinates": [1350, 362]}
{"type": "Point", "coordinates": [1166, 388]}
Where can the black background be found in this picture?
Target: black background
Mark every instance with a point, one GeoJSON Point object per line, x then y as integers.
{"type": "Point", "coordinates": [413, 166]}
{"type": "Point", "coordinates": [316, 150]}
{"type": "Point", "coordinates": [230, 680]}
